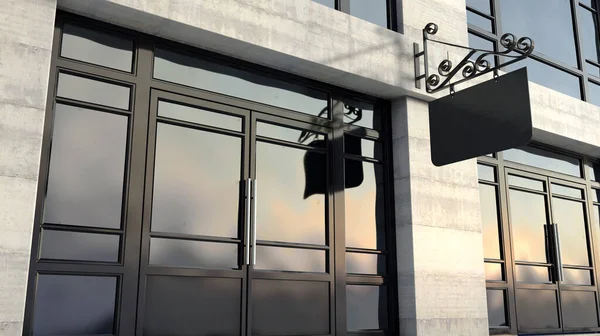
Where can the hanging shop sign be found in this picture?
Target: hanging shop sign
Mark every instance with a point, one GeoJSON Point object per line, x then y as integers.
{"type": "Point", "coordinates": [489, 117]}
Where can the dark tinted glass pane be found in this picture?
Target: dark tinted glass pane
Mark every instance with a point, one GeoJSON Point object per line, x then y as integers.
{"type": "Point", "coordinates": [570, 216]}
{"type": "Point", "coordinates": [190, 253]}
{"type": "Point", "coordinates": [281, 307]}
{"type": "Point", "coordinates": [364, 263]}
{"type": "Point", "coordinates": [489, 219]}
{"type": "Point", "coordinates": [532, 274]}
{"type": "Point", "coordinates": [74, 305]}
{"type": "Point", "coordinates": [486, 173]}
{"type": "Point", "coordinates": [579, 309]}
{"type": "Point", "coordinates": [544, 159]}
{"type": "Point", "coordinates": [552, 22]}
{"type": "Point", "coordinates": [549, 76]}
{"type": "Point", "coordinates": [290, 259]}
{"type": "Point", "coordinates": [593, 94]}
{"type": "Point", "coordinates": [496, 308]}
{"type": "Point", "coordinates": [196, 182]}
{"type": "Point", "coordinates": [481, 43]}
{"type": "Point", "coordinates": [363, 147]}
{"type": "Point", "coordinates": [93, 91]}
{"type": "Point", "coordinates": [480, 5]}
{"type": "Point", "coordinates": [374, 11]}
{"type": "Point", "coordinates": [199, 116]}
{"type": "Point", "coordinates": [493, 272]}
{"type": "Point", "coordinates": [577, 277]}
{"type": "Point", "coordinates": [328, 3]}
{"type": "Point", "coordinates": [189, 306]}
{"type": "Point", "coordinates": [537, 309]}
{"type": "Point", "coordinates": [479, 21]}
{"type": "Point", "coordinates": [290, 134]}
{"type": "Point", "coordinates": [588, 32]}
{"type": "Point", "coordinates": [365, 215]}
{"type": "Point", "coordinates": [97, 48]}
{"type": "Point", "coordinates": [524, 182]}
{"type": "Point", "coordinates": [79, 246]}
{"type": "Point", "coordinates": [366, 307]}
{"type": "Point", "coordinates": [361, 114]}
{"type": "Point", "coordinates": [594, 171]}
{"type": "Point", "coordinates": [528, 217]}
{"type": "Point", "coordinates": [215, 77]}
{"type": "Point", "coordinates": [85, 183]}
{"type": "Point", "coordinates": [296, 212]}
{"type": "Point", "coordinates": [567, 191]}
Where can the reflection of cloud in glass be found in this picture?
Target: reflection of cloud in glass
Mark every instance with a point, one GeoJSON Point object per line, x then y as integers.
{"type": "Point", "coordinates": [489, 218]}
{"type": "Point", "coordinates": [528, 217]}
{"type": "Point", "coordinates": [569, 215]}
{"type": "Point", "coordinates": [282, 212]}
{"type": "Point", "coordinates": [85, 183]}
{"type": "Point", "coordinates": [196, 182]}
{"type": "Point", "coordinates": [364, 210]}
{"type": "Point", "coordinates": [215, 77]}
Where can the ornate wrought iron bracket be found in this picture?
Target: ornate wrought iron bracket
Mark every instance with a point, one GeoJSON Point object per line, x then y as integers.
{"type": "Point", "coordinates": [469, 67]}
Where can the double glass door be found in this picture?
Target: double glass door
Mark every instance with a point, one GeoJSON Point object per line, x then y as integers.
{"type": "Point", "coordinates": [555, 283]}
{"type": "Point", "coordinates": [237, 225]}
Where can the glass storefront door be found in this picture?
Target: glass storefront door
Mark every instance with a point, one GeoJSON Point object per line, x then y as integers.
{"type": "Point", "coordinates": [551, 248]}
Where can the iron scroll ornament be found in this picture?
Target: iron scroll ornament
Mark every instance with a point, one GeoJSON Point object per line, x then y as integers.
{"type": "Point", "coordinates": [467, 68]}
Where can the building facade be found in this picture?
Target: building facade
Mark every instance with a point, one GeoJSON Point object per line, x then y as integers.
{"type": "Point", "coordinates": [262, 167]}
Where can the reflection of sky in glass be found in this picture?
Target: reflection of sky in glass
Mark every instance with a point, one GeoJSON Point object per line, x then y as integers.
{"type": "Point", "coordinates": [190, 253]}
{"type": "Point", "coordinates": [532, 274]}
{"type": "Point", "coordinates": [528, 217]}
{"type": "Point", "coordinates": [547, 22]}
{"type": "Point", "coordinates": [579, 309]}
{"type": "Point", "coordinates": [489, 218]}
{"type": "Point", "coordinates": [85, 184]}
{"type": "Point", "coordinates": [549, 76]}
{"type": "Point", "coordinates": [366, 307]}
{"type": "Point", "coordinates": [544, 159]}
{"type": "Point", "coordinates": [588, 34]}
{"type": "Point", "coordinates": [282, 212]}
{"type": "Point", "coordinates": [480, 5]}
{"type": "Point", "coordinates": [493, 272]}
{"type": "Point", "coordinates": [196, 182]}
{"type": "Point", "coordinates": [193, 72]}
{"type": "Point", "coordinates": [290, 259]}
{"type": "Point", "coordinates": [328, 3]}
{"type": "Point", "coordinates": [569, 215]}
{"type": "Point", "coordinates": [93, 91]}
{"type": "Point", "coordinates": [537, 309]}
{"type": "Point", "coordinates": [479, 21]}
{"type": "Point", "coordinates": [364, 210]}
{"type": "Point", "coordinates": [79, 246]}
{"type": "Point", "coordinates": [374, 11]}
{"type": "Point", "coordinates": [495, 306]}
{"type": "Point", "coordinates": [96, 47]}
{"type": "Point", "coordinates": [199, 116]}
{"type": "Point", "coordinates": [577, 277]}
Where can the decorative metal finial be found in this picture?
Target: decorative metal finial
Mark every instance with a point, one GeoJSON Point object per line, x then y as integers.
{"type": "Point", "coordinates": [469, 69]}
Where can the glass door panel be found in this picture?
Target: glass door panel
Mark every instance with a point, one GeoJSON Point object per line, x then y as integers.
{"type": "Point", "coordinates": [291, 285]}
{"type": "Point", "coordinates": [193, 280]}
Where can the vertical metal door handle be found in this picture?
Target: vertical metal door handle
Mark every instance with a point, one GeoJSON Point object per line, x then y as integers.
{"type": "Point", "coordinates": [255, 200]}
{"type": "Point", "coordinates": [559, 264]}
{"type": "Point", "coordinates": [247, 222]}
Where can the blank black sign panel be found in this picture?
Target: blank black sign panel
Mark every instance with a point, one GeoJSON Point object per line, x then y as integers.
{"type": "Point", "coordinates": [486, 118]}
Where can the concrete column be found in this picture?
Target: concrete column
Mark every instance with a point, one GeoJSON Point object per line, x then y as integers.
{"type": "Point", "coordinates": [439, 238]}
{"type": "Point", "coordinates": [25, 52]}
